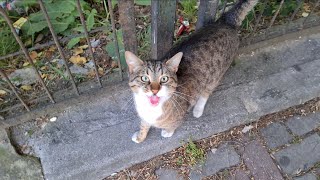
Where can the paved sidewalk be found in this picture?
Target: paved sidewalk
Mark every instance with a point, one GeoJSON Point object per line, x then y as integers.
{"type": "Point", "coordinates": [92, 139]}
{"type": "Point", "coordinates": [286, 149]}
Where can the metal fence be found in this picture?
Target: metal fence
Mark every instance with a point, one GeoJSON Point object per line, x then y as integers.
{"type": "Point", "coordinates": [163, 18]}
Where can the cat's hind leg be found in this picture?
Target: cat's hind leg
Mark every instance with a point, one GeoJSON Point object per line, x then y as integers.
{"type": "Point", "coordinates": [141, 135]}
{"type": "Point", "coordinates": [200, 104]}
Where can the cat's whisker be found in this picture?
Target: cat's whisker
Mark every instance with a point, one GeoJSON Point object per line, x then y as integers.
{"type": "Point", "coordinates": [179, 105]}
{"type": "Point", "coordinates": [181, 97]}
{"type": "Point", "coordinates": [184, 94]}
{"type": "Point", "coordinates": [175, 106]}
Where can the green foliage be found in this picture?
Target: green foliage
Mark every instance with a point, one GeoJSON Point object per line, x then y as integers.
{"type": "Point", "coordinates": [189, 9]}
{"type": "Point", "coordinates": [143, 38]}
{"type": "Point", "coordinates": [193, 154]}
{"type": "Point", "coordinates": [8, 43]}
{"type": "Point", "coordinates": [143, 2]}
{"type": "Point", "coordinates": [63, 16]}
{"type": "Point", "coordinates": [111, 48]}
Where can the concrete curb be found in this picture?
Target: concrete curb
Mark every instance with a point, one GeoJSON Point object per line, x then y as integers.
{"type": "Point", "coordinates": [91, 139]}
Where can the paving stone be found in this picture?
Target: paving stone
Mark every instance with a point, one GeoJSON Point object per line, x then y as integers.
{"type": "Point", "coordinates": [303, 124]}
{"type": "Point", "coordinates": [239, 175]}
{"type": "Point", "coordinates": [308, 176]}
{"type": "Point", "coordinates": [259, 162]}
{"type": "Point", "coordinates": [14, 166]}
{"type": "Point", "coordinates": [299, 156]}
{"type": "Point", "coordinates": [168, 174]}
{"type": "Point", "coordinates": [276, 135]}
{"type": "Point", "coordinates": [225, 156]}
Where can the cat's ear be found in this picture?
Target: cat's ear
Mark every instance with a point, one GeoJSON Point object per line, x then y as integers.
{"type": "Point", "coordinates": [174, 62]}
{"type": "Point", "coordinates": [133, 61]}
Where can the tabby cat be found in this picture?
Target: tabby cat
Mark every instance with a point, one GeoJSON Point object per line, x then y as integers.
{"type": "Point", "coordinates": [165, 89]}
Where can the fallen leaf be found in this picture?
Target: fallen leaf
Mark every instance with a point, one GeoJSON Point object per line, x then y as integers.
{"type": "Point", "coordinates": [44, 76]}
{"type": "Point", "coordinates": [83, 46]}
{"type": "Point", "coordinates": [26, 87]}
{"type": "Point", "coordinates": [25, 64]}
{"type": "Point", "coordinates": [77, 51]}
{"type": "Point", "coordinates": [78, 59]}
{"type": "Point", "coordinates": [304, 14]}
{"type": "Point", "coordinates": [44, 68]}
{"type": "Point", "coordinates": [52, 48]}
{"type": "Point", "coordinates": [100, 70]}
{"type": "Point", "coordinates": [19, 23]}
{"type": "Point", "coordinates": [114, 64]}
{"type": "Point", "coordinates": [33, 55]}
{"type": "Point", "coordinates": [3, 92]}
{"type": "Point", "coordinates": [246, 129]}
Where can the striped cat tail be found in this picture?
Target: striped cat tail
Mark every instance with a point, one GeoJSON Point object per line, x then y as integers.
{"type": "Point", "coordinates": [237, 13]}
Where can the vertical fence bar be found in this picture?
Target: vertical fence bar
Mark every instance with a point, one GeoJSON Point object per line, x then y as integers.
{"type": "Point", "coordinates": [207, 12]}
{"type": "Point", "coordinates": [163, 17]}
{"type": "Point", "coordinates": [14, 89]}
{"type": "Point", "coordinates": [25, 51]}
{"type": "Point", "coordinates": [88, 40]}
{"type": "Point", "coordinates": [128, 25]}
{"type": "Point", "coordinates": [276, 14]}
{"type": "Point", "coordinates": [58, 45]}
{"type": "Point", "coordinates": [313, 9]}
{"type": "Point", "coordinates": [115, 37]}
{"type": "Point", "coordinates": [294, 14]}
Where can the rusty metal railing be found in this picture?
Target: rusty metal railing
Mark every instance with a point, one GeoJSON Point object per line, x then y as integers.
{"type": "Point", "coordinates": [62, 54]}
{"type": "Point", "coordinates": [210, 9]}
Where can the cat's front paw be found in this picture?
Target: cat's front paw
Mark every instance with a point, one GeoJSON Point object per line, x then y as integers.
{"type": "Point", "coordinates": [197, 112]}
{"type": "Point", "coordinates": [166, 134]}
{"type": "Point", "coordinates": [135, 138]}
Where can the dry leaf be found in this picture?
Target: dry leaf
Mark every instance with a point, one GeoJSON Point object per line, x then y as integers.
{"type": "Point", "coordinates": [114, 64]}
{"type": "Point", "coordinates": [78, 59]}
{"type": "Point", "coordinates": [26, 87]}
{"type": "Point", "coordinates": [3, 92]}
{"type": "Point", "coordinates": [33, 55]}
{"type": "Point", "coordinates": [77, 51]}
{"type": "Point", "coordinates": [304, 14]}
{"type": "Point", "coordinates": [25, 64]}
{"type": "Point", "coordinates": [44, 76]}
{"type": "Point", "coordinates": [100, 70]}
{"type": "Point", "coordinates": [83, 47]}
{"type": "Point", "coordinates": [52, 48]}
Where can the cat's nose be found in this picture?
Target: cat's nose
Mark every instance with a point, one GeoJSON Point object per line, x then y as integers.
{"type": "Point", "coordinates": [155, 91]}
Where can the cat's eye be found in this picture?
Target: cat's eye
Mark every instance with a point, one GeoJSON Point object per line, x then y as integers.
{"type": "Point", "coordinates": [164, 79]}
{"type": "Point", "coordinates": [144, 78]}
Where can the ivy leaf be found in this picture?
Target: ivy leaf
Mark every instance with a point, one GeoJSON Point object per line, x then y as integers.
{"type": "Point", "coordinates": [73, 42]}
{"type": "Point", "coordinates": [111, 48]}
{"type": "Point", "coordinates": [90, 19]}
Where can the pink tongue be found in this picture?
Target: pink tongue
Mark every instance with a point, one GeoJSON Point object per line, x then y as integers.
{"type": "Point", "coordinates": [154, 100]}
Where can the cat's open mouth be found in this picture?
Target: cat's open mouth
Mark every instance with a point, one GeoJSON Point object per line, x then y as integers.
{"type": "Point", "coordinates": [154, 100]}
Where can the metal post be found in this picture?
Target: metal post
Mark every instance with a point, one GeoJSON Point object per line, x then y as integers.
{"type": "Point", "coordinates": [14, 89]}
{"type": "Point", "coordinates": [58, 45]}
{"type": "Point", "coordinates": [115, 37]}
{"type": "Point", "coordinates": [88, 40]}
{"type": "Point", "coordinates": [163, 17]}
{"type": "Point", "coordinates": [7, 19]}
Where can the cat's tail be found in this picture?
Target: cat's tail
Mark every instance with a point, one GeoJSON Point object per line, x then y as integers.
{"type": "Point", "coordinates": [238, 12]}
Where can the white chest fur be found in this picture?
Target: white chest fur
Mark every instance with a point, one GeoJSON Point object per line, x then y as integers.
{"type": "Point", "coordinates": [147, 112]}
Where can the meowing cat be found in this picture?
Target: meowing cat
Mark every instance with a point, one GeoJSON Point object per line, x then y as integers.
{"type": "Point", "coordinates": [165, 89]}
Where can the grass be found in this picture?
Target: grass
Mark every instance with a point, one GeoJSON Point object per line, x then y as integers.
{"type": "Point", "coordinates": [193, 154]}
{"type": "Point", "coordinates": [189, 9]}
{"type": "Point", "coordinates": [7, 44]}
